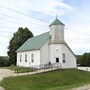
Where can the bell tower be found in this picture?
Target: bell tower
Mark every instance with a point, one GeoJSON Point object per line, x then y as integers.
{"type": "Point", "coordinates": [57, 32]}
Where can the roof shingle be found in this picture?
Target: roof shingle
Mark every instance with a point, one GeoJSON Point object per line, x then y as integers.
{"type": "Point", "coordinates": [34, 43]}
{"type": "Point", "coordinates": [56, 22]}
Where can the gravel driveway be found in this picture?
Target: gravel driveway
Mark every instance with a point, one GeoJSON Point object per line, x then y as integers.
{"type": "Point", "coordinates": [5, 73]}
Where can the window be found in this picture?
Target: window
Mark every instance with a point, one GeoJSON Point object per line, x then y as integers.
{"type": "Point", "coordinates": [25, 57]}
{"type": "Point", "coordinates": [63, 57]}
{"type": "Point", "coordinates": [32, 57]}
{"type": "Point", "coordinates": [63, 61]}
{"type": "Point", "coordinates": [20, 58]}
{"type": "Point", "coordinates": [57, 60]}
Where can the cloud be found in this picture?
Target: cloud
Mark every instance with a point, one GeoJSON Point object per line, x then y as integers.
{"type": "Point", "coordinates": [46, 7]}
{"type": "Point", "coordinates": [78, 23]}
{"type": "Point", "coordinates": [79, 42]}
{"type": "Point", "coordinates": [3, 45]}
{"type": "Point", "coordinates": [50, 7]}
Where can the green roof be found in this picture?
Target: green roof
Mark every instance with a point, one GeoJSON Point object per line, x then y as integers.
{"type": "Point", "coordinates": [56, 22]}
{"type": "Point", "coordinates": [34, 43]}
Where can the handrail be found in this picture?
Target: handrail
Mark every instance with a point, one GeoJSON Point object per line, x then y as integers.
{"type": "Point", "coordinates": [47, 66]}
{"type": "Point", "coordinates": [43, 67]}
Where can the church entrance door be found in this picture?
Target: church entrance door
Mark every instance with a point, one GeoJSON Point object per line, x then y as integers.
{"type": "Point", "coordinates": [57, 60]}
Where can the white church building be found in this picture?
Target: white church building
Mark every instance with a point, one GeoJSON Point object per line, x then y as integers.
{"type": "Point", "coordinates": [47, 48]}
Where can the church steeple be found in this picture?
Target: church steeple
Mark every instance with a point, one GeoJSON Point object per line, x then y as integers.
{"type": "Point", "coordinates": [56, 22]}
{"type": "Point", "coordinates": [57, 31]}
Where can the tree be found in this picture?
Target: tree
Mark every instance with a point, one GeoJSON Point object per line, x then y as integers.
{"type": "Point", "coordinates": [4, 61]}
{"type": "Point", "coordinates": [79, 59]}
{"type": "Point", "coordinates": [1, 62]}
{"type": "Point", "coordinates": [84, 60]}
{"type": "Point", "coordinates": [17, 40]}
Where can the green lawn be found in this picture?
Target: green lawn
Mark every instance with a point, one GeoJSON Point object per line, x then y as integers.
{"type": "Point", "coordinates": [18, 69]}
{"type": "Point", "coordinates": [54, 80]}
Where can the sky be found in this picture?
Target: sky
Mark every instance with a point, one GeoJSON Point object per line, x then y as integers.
{"type": "Point", "coordinates": [37, 15]}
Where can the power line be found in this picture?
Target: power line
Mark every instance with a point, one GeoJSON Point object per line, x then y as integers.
{"type": "Point", "coordinates": [24, 20]}
{"type": "Point", "coordinates": [19, 23]}
{"type": "Point", "coordinates": [31, 17]}
{"type": "Point", "coordinates": [22, 13]}
{"type": "Point", "coordinates": [10, 21]}
{"type": "Point", "coordinates": [6, 27]}
{"type": "Point", "coordinates": [78, 32]}
{"type": "Point", "coordinates": [46, 27]}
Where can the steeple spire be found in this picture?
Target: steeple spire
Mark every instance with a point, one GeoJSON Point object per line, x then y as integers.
{"type": "Point", "coordinates": [56, 16]}
{"type": "Point", "coordinates": [56, 22]}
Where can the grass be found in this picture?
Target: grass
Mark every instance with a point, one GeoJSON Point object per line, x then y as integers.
{"type": "Point", "coordinates": [54, 80]}
{"type": "Point", "coordinates": [18, 69]}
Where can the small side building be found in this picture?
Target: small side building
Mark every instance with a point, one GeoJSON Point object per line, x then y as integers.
{"type": "Point", "coordinates": [47, 48]}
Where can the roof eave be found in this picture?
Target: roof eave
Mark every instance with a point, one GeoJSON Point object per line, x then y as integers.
{"type": "Point", "coordinates": [28, 50]}
{"type": "Point", "coordinates": [56, 24]}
